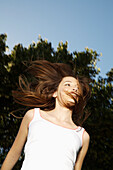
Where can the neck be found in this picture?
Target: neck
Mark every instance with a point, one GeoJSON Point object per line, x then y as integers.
{"type": "Point", "coordinates": [62, 113]}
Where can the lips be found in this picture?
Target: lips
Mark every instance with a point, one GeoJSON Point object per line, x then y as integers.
{"type": "Point", "coordinates": [75, 94]}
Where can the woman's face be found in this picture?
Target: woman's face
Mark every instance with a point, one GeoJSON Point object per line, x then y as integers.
{"type": "Point", "coordinates": [69, 91]}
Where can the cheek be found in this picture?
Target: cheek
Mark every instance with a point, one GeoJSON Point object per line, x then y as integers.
{"type": "Point", "coordinates": [66, 89]}
{"type": "Point", "coordinates": [62, 93]}
{"type": "Point", "coordinates": [62, 90]}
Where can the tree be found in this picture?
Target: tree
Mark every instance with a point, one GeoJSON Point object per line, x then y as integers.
{"type": "Point", "coordinates": [98, 125]}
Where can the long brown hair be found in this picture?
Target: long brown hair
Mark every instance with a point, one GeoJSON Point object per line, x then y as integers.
{"type": "Point", "coordinates": [42, 80]}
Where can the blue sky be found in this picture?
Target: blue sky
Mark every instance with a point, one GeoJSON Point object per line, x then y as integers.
{"type": "Point", "coordinates": [83, 23]}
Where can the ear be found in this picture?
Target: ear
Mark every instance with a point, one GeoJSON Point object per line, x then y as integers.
{"type": "Point", "coordinates": [55, 94]}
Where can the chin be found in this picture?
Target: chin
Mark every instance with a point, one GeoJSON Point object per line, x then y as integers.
{"type": "Point", "coordinates": [71, 103]}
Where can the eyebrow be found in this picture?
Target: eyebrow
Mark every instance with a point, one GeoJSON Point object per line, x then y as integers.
{"type": "Point", "coordinates": [68, 81]}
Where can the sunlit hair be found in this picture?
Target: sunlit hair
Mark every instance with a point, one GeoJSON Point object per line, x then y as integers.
{"type": "Point", "coordinates": [42, 80]}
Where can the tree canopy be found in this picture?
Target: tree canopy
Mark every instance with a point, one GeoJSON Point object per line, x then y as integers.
{"type": "Point", "coordinates": [98, 125]}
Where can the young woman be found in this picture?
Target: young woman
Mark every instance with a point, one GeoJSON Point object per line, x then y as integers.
{"type": "Point", "coordinates": [55, 139]}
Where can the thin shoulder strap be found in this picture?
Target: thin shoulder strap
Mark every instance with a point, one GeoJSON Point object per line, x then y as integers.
{"type": "Point", "coordinates": [36, 115]}
{"type": "Point", "coordinates": [80, 131]}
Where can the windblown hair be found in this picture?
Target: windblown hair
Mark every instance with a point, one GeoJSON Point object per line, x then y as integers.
{"type": "Point", "coordinates": [36, 90]}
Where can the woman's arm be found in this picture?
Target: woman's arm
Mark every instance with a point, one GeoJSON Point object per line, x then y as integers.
{"type": "Point", "coordinates": [83, 151]}
{"type": "Point", "coordinates": [16, 149]}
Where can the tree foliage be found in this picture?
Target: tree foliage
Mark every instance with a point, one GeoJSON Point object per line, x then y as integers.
{"type": "Point", "coordinates": [98, 125]}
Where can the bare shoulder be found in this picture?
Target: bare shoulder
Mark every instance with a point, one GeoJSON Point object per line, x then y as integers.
{"type": "Point", "coordinates": [29, 113]}
{"type": "Point", "coordinates": [28, 116]}
{"type": "Point", "coordinates": [83, 151]}
{"type": "Point", "coordinates": [86, 138]}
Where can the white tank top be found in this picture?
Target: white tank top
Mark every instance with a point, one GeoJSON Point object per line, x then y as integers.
{"type": "Point", "coordinates": [50, 146]}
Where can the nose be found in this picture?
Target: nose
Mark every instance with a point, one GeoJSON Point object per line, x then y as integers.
{"type": "Point", "coordinates": [75, 89]}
